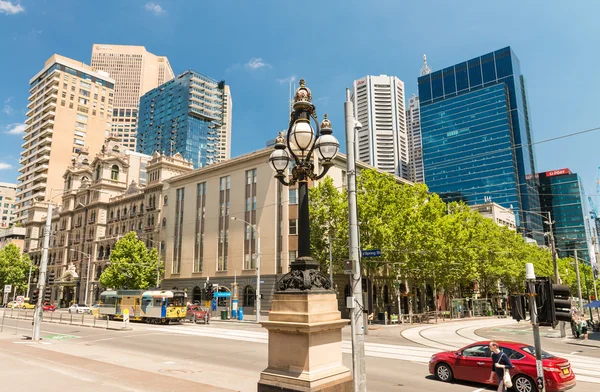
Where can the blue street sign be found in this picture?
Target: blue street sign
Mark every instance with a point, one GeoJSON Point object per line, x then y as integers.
{"type": "Point", "coordinates": [222, 295]}
{"type": "Point", "coordinates": [371, 253]}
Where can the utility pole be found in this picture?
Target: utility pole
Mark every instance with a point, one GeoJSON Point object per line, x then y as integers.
{"type": "Point", "coordinates": [557, 279]}
{"type": "Point", "coordinates": [530, 276]}
{"type": "Point", "coordinates": [357, 318]}
{"type": "Point", "coordinates": [258, 299]}
{"type": "Point", "coordinates": [330, 261]}
{"type": "Point", "coordinates": [578, 281]}
{"type": "Point", "coordinates": [38, 313]}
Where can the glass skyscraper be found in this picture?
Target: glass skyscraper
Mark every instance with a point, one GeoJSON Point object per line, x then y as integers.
{"type": "Point", "coordinates": [561, 193]}
{"type": "Point", "coordinates": [190, 114]}
{"type": "Point", "coordinates": [476, 136]}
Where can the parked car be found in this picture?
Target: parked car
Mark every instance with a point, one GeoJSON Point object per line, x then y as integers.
{"type": "Point", "coordinates": [197, 314]}
{"type": "Point", "coordinates": [12, 305]}
{"type": "Point", "coordinates": [27, 305]}
{"type": "Point", "coordinates": [79, 308]}
{"type": "Point", "coordinates": [48, 307]}
{"type": "Point", "coordinates": [474, 363]}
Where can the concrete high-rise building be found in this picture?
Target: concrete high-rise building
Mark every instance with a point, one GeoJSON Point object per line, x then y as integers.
{"type": "Point", "coordinates": [415, 149]}
{"type": "Point", "coordinates": [476, 136]}
{"type": "Point", "coordinates": [135, 71]}
{"type": "Point", "coordinates": [382, 141]}
{"type": "Point", "coordinates": [8, 195]}
{"type": "Point", "coordinates": [70, 111]}
{"type": "Point", "coordinates": [190, 114]}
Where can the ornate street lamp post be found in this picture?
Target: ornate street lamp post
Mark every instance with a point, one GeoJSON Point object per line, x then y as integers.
{"type": "Point", "coordinates": [305, 325]}
{"type": "Point", "coordinates": [298, 147]}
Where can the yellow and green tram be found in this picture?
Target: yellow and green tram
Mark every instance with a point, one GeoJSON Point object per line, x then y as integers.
{"type": "Point", "coordinates": [152, 306]}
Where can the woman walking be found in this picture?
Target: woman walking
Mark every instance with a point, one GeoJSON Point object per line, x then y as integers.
{"type": "Point", "coordinates": [500, 364]}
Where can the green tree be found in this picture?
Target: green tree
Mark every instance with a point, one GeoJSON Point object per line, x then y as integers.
{"type": "Point", "coordinates": [328, 209]}
{"type": "Point", "coordinates": [14, 267]}
{"type": "Point", "coordinates": [132, 265]}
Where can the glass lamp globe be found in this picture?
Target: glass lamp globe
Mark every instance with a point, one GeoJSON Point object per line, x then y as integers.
{"type": "Point", "coordinates": [279, 160]}
{"type": "Point", "coordinates": [327, 147]}
{"type": "Point", "coordinates": [302, 134]}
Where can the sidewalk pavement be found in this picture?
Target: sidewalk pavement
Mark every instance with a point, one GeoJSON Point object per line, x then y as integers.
{"type": "Point", "coordinates": [62, 372]}
{"type": "Point", "coordinates": [593, 340]}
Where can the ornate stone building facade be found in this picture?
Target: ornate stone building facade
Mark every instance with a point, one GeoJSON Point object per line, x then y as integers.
{"type": "Point", "coordinates": [102, 200]}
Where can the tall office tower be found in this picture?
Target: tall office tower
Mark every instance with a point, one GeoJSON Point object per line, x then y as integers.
{"type": "Point", "coordinates": [477, 138]}
{"type": "Point", "coordinates": [70, 110]}
{"type": "Point", "coordinates": [190, 114]}
{"type": "Point", "coordinates": [562, 194]}
{"type": "Point", "coordinates": [415, 149]}
{"type": "Point", "coordinates": [136, 71]}
{"type": "Point", "coordinates": [382, 141]}
{"type": "Point", "coordinates": [8, 195]}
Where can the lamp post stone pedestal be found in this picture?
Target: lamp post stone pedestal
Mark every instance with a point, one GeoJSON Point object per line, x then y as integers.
{"type": "Point", "coordinates": [305, 326]}
{"type": "Point", "coordinates": [305, 345]}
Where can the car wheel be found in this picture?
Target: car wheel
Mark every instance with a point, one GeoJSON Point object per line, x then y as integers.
{"type": "Point", "coordinates": [443, 372]}
{"type": "Point", "coordinates": [522, 383]}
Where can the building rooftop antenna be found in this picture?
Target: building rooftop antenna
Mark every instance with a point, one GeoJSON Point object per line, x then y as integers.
{"type": "Point", "coordinates": [425, 70]}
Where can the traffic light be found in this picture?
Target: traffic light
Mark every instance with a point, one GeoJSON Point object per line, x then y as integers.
{"type": "Point", "coordinates": [553, 302]}
{"type": "Point", "coordinates": [50, 278]}
{"type": "Point", "coordinates": [34, 297]}
{"type": "Point", "coordinates": [47, 294]}
{"type": "Point", "coordinates": [517, 307]}
{"type": "Point", "coordinates": [561, 295]}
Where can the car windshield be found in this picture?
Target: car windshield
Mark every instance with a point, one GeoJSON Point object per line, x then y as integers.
{"type": "Point", "coordinates": [82, 306]}
{"type": "Point", "coordinates": [531, 350]}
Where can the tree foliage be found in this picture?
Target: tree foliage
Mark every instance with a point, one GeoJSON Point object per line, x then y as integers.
{"type": "Point", "coordinates": [421, 237]}
{"type": "Point", "coordinates": [14, 267]}
{"type": "Point", "coordinates": [132, 265]}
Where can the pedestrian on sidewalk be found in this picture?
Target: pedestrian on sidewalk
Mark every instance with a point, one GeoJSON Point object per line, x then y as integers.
{"type": "Point", "coordinates": [584, 328]}
{"type": "Point", "coordinates": [500, 364]}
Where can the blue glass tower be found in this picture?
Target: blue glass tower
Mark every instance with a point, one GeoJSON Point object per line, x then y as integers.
{"type": "Point", "coordinates": [477, 137]}
{"type": "Point", "coordinates": [183, 115]}
{"type": "Point", "coordinates": [562, 193]}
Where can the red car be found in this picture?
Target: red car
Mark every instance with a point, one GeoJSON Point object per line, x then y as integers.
{"type": "Point", "coordinates": [47, 307]}
{"type": "Point", "coordinates": [474, 363]}
{"type": "Point", "coordinates": [197, 314]}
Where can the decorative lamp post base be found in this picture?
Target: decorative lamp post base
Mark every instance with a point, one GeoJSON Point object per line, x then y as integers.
{"type": "Point", "coordinates": [305, 344]}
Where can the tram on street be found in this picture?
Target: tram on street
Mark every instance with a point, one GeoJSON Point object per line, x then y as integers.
{"type": "Point", "coordinates": [149, 306]}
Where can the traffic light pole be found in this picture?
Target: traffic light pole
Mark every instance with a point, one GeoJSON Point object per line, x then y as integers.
{"type": "Point", "coordinates": [578, 281]}
{"type": "Point", "coordinates": [359, 373]}
{"type": "Point", "coordinates": [530, 276]}
{"type": "Point", "coordinates": [38, 313]}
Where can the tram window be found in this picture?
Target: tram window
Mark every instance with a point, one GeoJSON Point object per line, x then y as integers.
{"type": "Point", "coordinates": [157, 301]}
{"type": "Point", "coordinates": [178, 301]}
{"type": "Point", "coordinates": [146, 302]}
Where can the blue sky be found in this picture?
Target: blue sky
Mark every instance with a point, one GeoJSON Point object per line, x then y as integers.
{"type": "Point", "coordinates": [256, 46]}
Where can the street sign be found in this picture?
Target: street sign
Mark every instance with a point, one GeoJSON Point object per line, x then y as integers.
{"type": "Point", "coordinates": [125, 316]}
{"type": "Point", "coordinates": [347, 267]}
{"type": "Point", "coordinates": [222, 295]}
{"type": "Point", "coordinates": [7, 288]}
{"type": "Point", "coordinates": [20, 300]}
{"type": "Point", "coordinates": [371, 253]}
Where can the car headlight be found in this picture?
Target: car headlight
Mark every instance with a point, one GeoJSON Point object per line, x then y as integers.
{"type": "Point", "coordinates": [432, 359]}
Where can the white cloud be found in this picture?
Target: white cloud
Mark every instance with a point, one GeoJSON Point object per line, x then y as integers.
{"type": "Point", "coordinates": [5, 166]}
{"type": "Point", "coordinates": [256, 63]}
{"type": "Point", "coordinates": [8, 109]}
{"type": "Point", "coordinates": [286, 80]}
{"type": "Point", "coordinates": [154, 8]}
{"type": "Point", "coordinates": [15, 129]}
{"type": "Point", "coordinates": [6, 7]}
